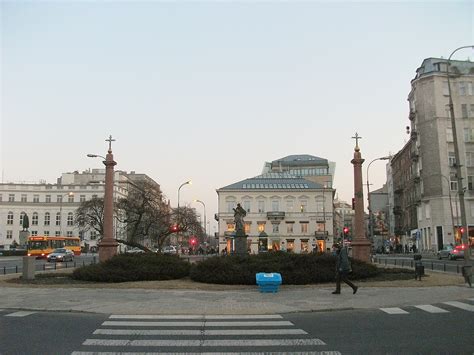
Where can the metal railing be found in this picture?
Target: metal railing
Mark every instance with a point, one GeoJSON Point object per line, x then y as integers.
{"type": "Point", "coordinates": [48, 266]}
{"type": "Point", "coordinates": [428, 264]}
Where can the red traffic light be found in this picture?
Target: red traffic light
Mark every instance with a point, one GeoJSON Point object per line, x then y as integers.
{"type": "Point", "coordinates": [193, 241]}
{"type": "Point", "coordinates": [346, 230]}
{"type": "Point", "coordinates": [461, 230]}
{"type": "Point", "coordinates": [174, 228]}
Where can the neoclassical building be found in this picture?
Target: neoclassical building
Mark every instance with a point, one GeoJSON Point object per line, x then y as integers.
{"type": "Point", "coordinates": [284, 210]}
{"type": "Point", "coordinates": [51, 207]}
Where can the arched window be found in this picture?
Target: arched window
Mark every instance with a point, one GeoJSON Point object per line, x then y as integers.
{"type": "Point", "coordinates": [70, 219]}
{"type": "Point", "coordinates": [34, 219]}
{"type": "Point", "coordinates": [58, 219]}
{"type": "Point", "coordinates": [47, 219]}
{"type": "Point", "coordinates": [10, 218]}
{"type": "Point", "coordinates": [22, 214]}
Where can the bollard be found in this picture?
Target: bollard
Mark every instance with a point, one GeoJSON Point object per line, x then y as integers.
{"type": "Point", "coordinates": [29, 267]}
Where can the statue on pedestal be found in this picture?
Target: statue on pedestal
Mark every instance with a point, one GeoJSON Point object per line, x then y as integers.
{"type": "Point", "coordinates": [239, 214]}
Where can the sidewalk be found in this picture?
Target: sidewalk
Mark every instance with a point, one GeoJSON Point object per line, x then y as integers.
{"type": "Point", "coordinates": [187, 297]}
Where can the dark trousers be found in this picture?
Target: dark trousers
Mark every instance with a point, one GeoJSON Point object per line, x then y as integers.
{"type": "Point", "coordinates": [342, 276]}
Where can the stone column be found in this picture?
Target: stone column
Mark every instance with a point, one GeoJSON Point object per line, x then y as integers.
{"type": "Point", "coordinates": [108, 244]}
{"type": "Point", "coordinates": [360, 244]}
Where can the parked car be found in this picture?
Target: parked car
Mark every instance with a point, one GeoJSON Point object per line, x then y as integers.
{"type": "Point", "coordinates": [444, 253]}
{"type": "Point", "coordinates": [135, 251]}
{"type": "Point", "coordinates": [60, 254]}
{"type": "Point", "coordinates": [170, 250]}
{"type": "Point", "coordinates": [457, 252]}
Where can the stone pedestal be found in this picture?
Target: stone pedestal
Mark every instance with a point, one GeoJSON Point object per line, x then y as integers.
{"type": "Point", "coordinates": [29, 267]}
{"type": "Point", "coordinates": [24, 237]}
{"type": "Point", "coordinates": [240, 244]}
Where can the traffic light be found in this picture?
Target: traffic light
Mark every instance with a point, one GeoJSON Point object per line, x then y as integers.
{"type": "Point", "coordinates": [174, 228]}
{"type": "Point", "coordinates": [193, 241]}
{"type": "Point", "coordinates": [346, 231]}
{"type": "Point", "coordinates": [461, 230]}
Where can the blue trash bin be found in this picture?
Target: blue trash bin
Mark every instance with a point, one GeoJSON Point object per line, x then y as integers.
{"type": "Point", "coordinates": [268, 282]}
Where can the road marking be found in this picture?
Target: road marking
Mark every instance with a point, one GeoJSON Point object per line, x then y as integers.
{"type": "Point", "coordinates": [198, 324]}
{"type": "Point", "coordinates": [19, 314]}
{"type": "Point", "coordinates": [204, 332]}
{"type": "Point", "coordinates": [203, 343]}
{"type": "Point", "coordinates": [465, 306]}
{"type": "Point", "coordinates": [200, 317]}
{"type": "Point", "coordinates": [431, 309]}
{"type": "Point", "coordinates": [394, 310]}
{"type": "Point", "coordinates": [211, 353]}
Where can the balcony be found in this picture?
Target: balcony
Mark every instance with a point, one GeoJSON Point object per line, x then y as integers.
{"type": "Point", "coordinates": [412, 115]}
{"type": "Point", "coordinates": [321, 235]}
{"type": "Point", "coordinates": [275, 215]}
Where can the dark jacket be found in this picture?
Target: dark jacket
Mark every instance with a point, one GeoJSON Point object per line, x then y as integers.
{"type": "Point", "coordinates": [342, 261]}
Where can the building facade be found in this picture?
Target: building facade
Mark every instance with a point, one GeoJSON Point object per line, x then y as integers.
{"type": "Point", "coordinates": [51, 207]}
{"type": "Point", "coordinates": [432, 150]}
{"type": "Point", "coordinates": [286, 209]}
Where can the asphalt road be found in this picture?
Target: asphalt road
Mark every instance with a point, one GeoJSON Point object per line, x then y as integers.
{"type": "Point", "coordinates": [14, 264]}
{"type": "Point", "coordinates": [429, 329]}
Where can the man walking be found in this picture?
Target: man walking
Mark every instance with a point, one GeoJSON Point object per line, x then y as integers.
{"type": "Point", "coordinates": [343, 267]}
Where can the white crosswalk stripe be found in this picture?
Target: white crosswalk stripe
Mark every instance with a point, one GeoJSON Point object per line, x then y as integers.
{"type": "Point", "coordinates": [394, 310]}
{"type": "Point", "coordinates": [465, 306]}
{"type": "Point", "coordinates": [19, 314]}
{"type": "Point", "coordinates": [431, 309]}
{"type": "Point", "coordinates": [205, 332]}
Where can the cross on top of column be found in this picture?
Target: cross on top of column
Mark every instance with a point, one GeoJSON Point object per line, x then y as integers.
{"type": "Point", "coordinates": [110, 140]}
{"type": "Point", "coordinates": [357, 137]}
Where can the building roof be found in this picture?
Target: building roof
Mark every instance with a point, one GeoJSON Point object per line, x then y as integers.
{"type": "Point", "coordinates": [273, 181]}
{"type": "Point", "coordinates": [431, 65]}
{"type": "Point", "coordinates": [300, 160]}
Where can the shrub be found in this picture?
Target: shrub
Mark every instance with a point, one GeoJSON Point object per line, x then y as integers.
{"type": "Point", "coordinates": [295, 269]}
{"type": "Point", "coordinates": [139, 267]}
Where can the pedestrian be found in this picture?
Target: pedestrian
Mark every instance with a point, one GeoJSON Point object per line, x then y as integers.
{"type": "Point", "coordinates": [343, 267]}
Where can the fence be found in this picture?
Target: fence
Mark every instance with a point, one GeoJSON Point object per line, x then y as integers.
{"type": "Point", "coordinates": [428, 264]}
{"type": "Point", "coordinates": [48, 266]}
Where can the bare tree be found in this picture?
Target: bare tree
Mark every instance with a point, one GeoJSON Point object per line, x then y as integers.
{"type": "Point", "coordinates": [90, 215]}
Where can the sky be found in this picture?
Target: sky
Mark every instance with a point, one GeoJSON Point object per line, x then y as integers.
{"type": "Point", "coordinates": [208, 91]}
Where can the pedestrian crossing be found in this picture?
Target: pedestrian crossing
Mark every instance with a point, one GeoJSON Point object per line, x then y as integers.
{"type": "Point", "coordinates": [441, 308]}
{"type": "Point", "coordinates": [201, 334]}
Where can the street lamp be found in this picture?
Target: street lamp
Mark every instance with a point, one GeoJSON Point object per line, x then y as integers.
{"type": "Point", "coordinates": [61, 212]}
{"type": "Point", "coordinates": [464, 236]}
{"type": "Point", "coordinates": [371, 227]}
{"type": "Point", "coordinates": [184, 183]}
{"type": "Point", "coordinates": [108, 244]}
{"type": "Point", "coordinates": [205, 225]}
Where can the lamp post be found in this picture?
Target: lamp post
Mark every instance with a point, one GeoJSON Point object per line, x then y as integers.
{"type": "Point", "coordinates": [108, 244]}
{"type": "Point", "coordinates": [177, 214]}
{"type": "Point", "coordinates": [205, 225]}
{"type": "Point", "coordinates": [371, 227]}
{"type": "Point", "coordinates": [464, 236]}
{"type": "Point", "coordinates": [61, 212]}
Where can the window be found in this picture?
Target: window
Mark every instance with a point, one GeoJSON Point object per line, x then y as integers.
{"type": "Point", "coordinates": [9, 234]}
{"type": "Point", "coordinates": [95, 196]}
{"type": "Point", "coordinates": [10, 218]}
{"type": "Point", "coordinates": [93, 235]}
{"type": "Point", "coordinates": [70, 198]}
{"type": "Point", "coordinates": [47, 219]}
{"type": "Point", "coordinates": [261, 227]}
{"type": "Point", "coordinates": [470, 159]}
{"type": "Point", "coordinates": [22, 214]}
{"type": "Point", "coordinates": [289, 228]}
{"type": "Point", "coordinates": [276, 228]}
{"type": "Point", "coordinates": [303, 206]}
{"type": "Point", "coordinates": [261, 206]}
{"type": "Point", "coordinates": [70, 219]}
{"type": "Point", "coordinates": [230, 206]}
{"type": "Point", "coordinates": [451, 159]}
{"type": "Point", "coordinates": [464, 111]}
{"type": "Point", "coordinates": [59, 198]}
{"type": "Point", "coordinates": [46, 233]}
{"type": "Point", "coordinates": [275, 205]}
{"type": "Point", "coordinates": [48, 199]}
{"type": "Point", "coordinates": [468, 134]}
{"type": "Point", "coordinates": [230, 227]}
{"type": "Point", "coordinates": [246, 206]}
{"type": "Point", "coordinates": [470, 182]}
{"type": "Point", "coordinates": [69, 234]}
{"type": "Point", "coordinates": [82, 198]}
{"type": "Point", "coordinates": [453, 183]}
{"type": "Point", "coordinates": [34, 233]}
{"type": "Point", "coordinates": [81, 235]}
{"type": "Point", "coordinates": [320, 204]}
{"type": "Point", "coordinates": [445, 88]}
{"type": "Point", "coordinates": [304, 227]}
{"type": "Point", "coordinates": [23, 198]}
{"type": "Point", "coordinates": [11, 198]}
{"type": "Point", "coordinates": [471, 111]}
{"type": "Point", "coordinates": [57, 233]}
{"type": "Point", "coordinates": [247, 227]}
{"type": "Point", "coordinates": [58, 219]}
{"type": "Point", "coordinates": [449, 134]}
{"type": "Point", "coordinates": [462, 88]}
{"type": "Point", "coordinates": [34, 219]}
{"type": "Point", "coordinates": [427, 211]}
{"type": "Point", "coordinates": [289, 205]}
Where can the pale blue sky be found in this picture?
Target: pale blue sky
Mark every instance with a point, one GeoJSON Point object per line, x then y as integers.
{"type": "Point", "coordinates": [208, 91]}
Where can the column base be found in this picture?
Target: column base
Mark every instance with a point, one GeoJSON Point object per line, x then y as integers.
{"type": "Point", "coordinates": [107, 249]}
{"type": "Point", "coordinates": [361, 250]}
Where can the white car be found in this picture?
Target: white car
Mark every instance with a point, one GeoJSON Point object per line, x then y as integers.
{"type": "Point", "coordinates": [170, 250]}
{"type": "Point", "coordinates": [135, 251]}
{"type": "Point", "coordinates": [60, 254]}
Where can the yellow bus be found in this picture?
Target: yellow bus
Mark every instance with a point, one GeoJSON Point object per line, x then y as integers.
{"type": "Point", "coordinates": [41, 246]}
